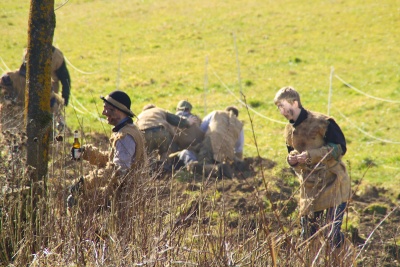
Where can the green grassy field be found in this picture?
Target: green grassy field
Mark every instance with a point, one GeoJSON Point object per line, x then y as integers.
{"type": "Point", "coordinates": [208, 51]}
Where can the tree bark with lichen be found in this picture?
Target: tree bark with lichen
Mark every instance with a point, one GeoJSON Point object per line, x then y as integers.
{"type": "Point", "coordinates": [38, 118]}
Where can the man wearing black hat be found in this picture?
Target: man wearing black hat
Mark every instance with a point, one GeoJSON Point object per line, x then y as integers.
{"type": "Point", "coordinates": [127, 154]}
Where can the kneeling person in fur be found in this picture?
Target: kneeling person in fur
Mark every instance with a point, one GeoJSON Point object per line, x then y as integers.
{"type": "Point", "coordinates": [12, 99]}
{"type": "Point", "coordinates": [222, 146]}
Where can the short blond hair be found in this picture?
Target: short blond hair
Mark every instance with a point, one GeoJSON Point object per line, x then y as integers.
{"type": "Point", "coordinates": [289, 94]}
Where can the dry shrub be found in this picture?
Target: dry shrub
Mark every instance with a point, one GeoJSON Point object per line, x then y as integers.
{"type": "Point", "coordinates": [153, 220]}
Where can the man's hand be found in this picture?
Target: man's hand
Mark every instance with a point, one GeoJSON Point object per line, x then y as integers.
{"type": "Point", "coordinates": [295, 157]}
{"type": "Point", "coordinates": [292, 159]}
{"type": "Point", "coordinates": [303, 157]}
{"type": "Point", "coordinates": [85, 151]}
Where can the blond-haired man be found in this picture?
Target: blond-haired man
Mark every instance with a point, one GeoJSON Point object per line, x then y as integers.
{"type": "Point", "coordinates": [316, 145]}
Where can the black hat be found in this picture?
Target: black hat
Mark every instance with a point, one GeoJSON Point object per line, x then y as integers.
{"type": "Point", "coordinates": [119, 100]}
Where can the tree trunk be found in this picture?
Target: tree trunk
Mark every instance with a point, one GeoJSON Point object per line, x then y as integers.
{"type": "Point", "coordinates": [38, 118]}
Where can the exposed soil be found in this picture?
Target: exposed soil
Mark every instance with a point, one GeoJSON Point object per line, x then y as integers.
{"type": "Point", "coordinates": [372, 221]}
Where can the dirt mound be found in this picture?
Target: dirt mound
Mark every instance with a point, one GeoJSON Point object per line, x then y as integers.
{"type": "Point", "coordinates": [371, 222]}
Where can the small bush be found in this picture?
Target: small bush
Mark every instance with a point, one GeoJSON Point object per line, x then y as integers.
{"type": "Point", "coordinates": [376, 208]}
{"type": "Point", "coordinates": [367, 162]}
{"type": "Point", "coordinates": [255, 103]}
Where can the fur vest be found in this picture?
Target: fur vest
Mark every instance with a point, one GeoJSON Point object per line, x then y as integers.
{"type": "Point", "coordinates": [16, 92]}
{"type": "Point", "coordinates": [140, 153]}
{"type": "Point", "coordinates": [188, 137]}
{"type": "Point", "coordinates": [154, 117]}
{"type": "Point", "coordinates": [56, 63]}
{"type": "Point", "coordinates": [223, 131]}
{"type": "Point", "coordinates": [324, 179]}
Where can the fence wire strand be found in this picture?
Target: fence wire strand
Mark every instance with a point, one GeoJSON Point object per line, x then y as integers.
{"type": "Point", "coordinates": [363, 93]}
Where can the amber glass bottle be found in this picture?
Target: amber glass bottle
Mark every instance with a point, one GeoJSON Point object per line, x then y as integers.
{"type": "Point", "coordinates": [76, 147]}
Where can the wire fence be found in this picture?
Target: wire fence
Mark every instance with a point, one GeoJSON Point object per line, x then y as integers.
{"type": "Point", "coordinates": [354, 125]}
{"type": "Point", "coordinates": [82, 110]}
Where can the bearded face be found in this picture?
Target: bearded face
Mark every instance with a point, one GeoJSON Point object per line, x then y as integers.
{"type": "Point", "coordinates": [289, 110]}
